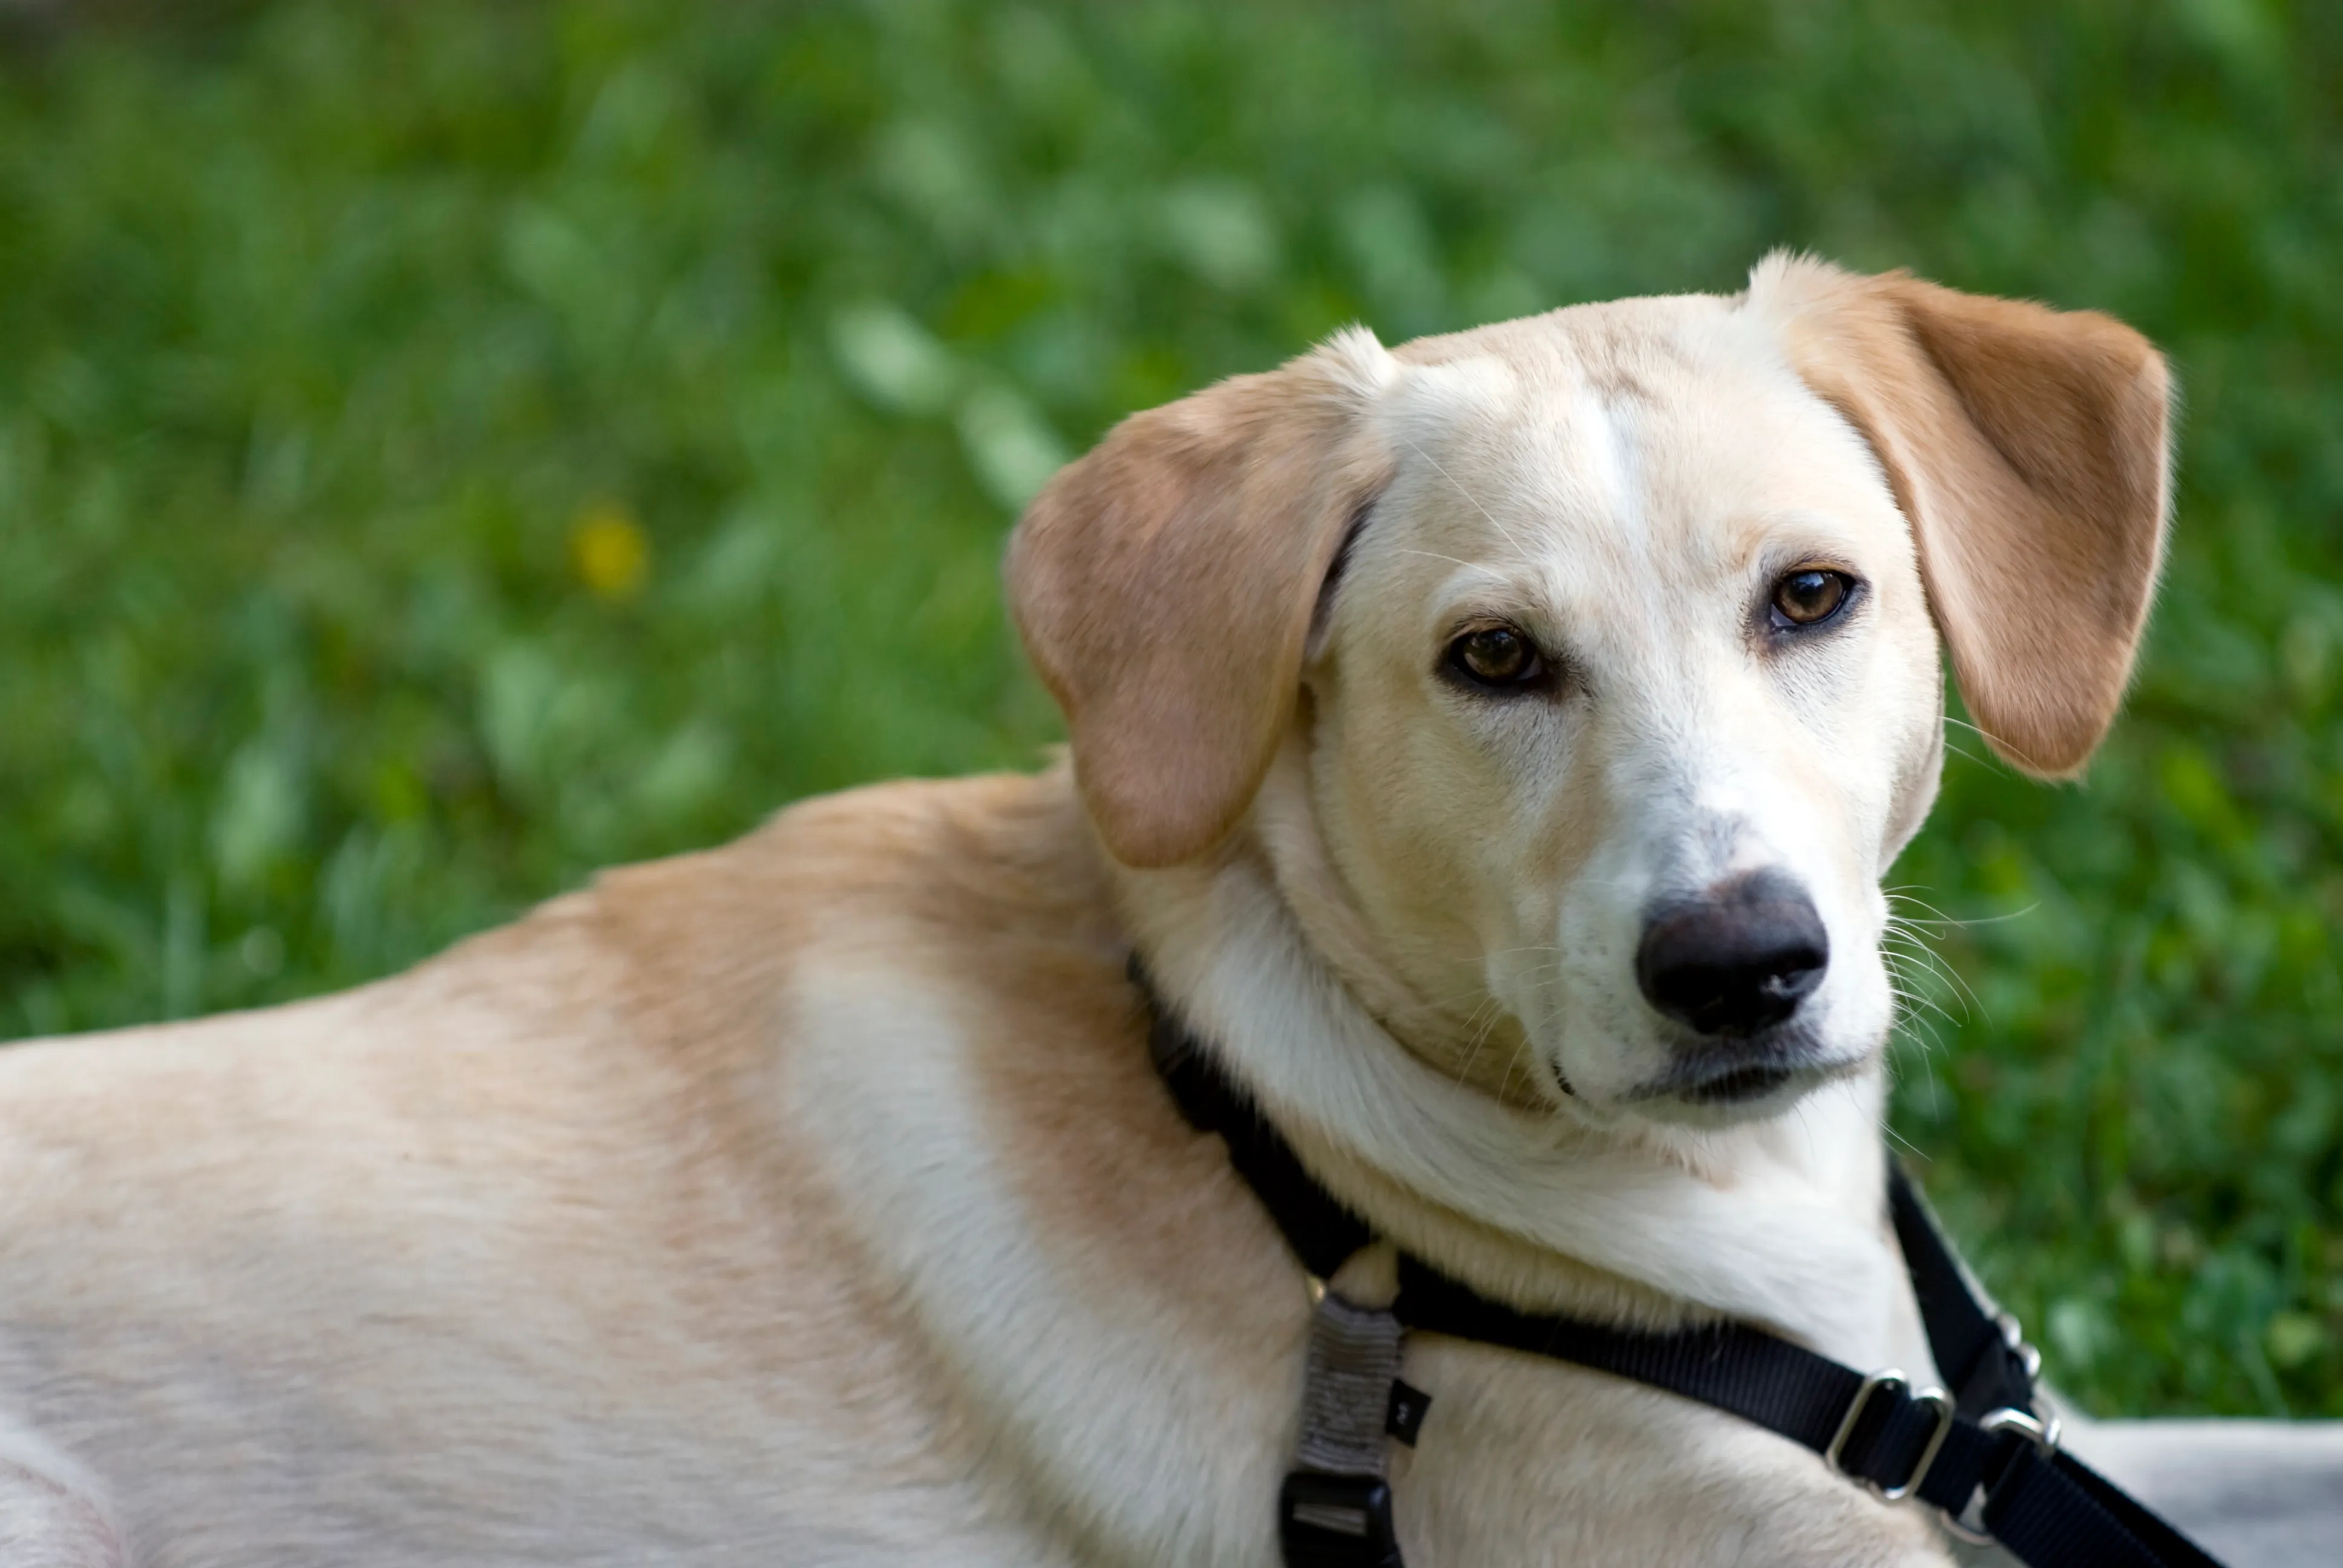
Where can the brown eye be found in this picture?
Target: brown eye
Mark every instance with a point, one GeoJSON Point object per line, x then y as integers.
{"type": "Point", "coordinates": [1496, 656]}
{"type": "Point", "coordinates": [1811, 595]}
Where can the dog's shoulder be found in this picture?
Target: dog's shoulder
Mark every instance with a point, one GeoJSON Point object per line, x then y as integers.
{"type": "Point", "coordinates": [920, 863]}
{"type": "Point", "coordinates": [657, 988]}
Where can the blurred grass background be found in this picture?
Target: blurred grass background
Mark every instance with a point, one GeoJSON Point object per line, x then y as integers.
{"type": "Point", "coordinates": [447, 448]}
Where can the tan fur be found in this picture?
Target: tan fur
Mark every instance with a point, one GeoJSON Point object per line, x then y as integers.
{"type": "Point", "coordinates": [811, 1201]}
{"type": "Point", "coordinates": [1163, 585]}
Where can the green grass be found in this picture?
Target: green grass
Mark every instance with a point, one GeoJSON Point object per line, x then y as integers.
{"type": "Point", "coordinates": [348, 353]}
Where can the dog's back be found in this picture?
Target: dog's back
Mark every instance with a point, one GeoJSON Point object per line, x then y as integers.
{"type": "Point", "coordinates": [502, 1260]}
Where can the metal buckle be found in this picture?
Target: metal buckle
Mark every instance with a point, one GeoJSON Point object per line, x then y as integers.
{"type": "Point", "coordinates": [1329, 1520]}
{"type": "Point", "coordinates": [2007, 1419]}
{"type": "Point", "coordinates": [1893, 1381]}
{"type": "Point", "coordinates": [2044, 1438]}
{"type": "Point", "coordinates": [1958, 1524]}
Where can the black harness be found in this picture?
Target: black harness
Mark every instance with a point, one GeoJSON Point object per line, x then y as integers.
{"type": "Point", "coordinates": [1979, 1453]}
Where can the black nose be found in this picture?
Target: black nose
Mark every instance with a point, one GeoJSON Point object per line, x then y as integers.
{"type": "Point", "coordinates": [1738, 960]}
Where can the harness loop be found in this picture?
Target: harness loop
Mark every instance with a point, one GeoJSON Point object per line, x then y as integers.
{"type": "Point", "coordinates": [1334, 1510]}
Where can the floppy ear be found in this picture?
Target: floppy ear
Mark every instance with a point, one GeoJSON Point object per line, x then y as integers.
{"type": "Point", "coordinates": [2029, 448]}
{"type": "Point", "coordinates": [1164, 585]}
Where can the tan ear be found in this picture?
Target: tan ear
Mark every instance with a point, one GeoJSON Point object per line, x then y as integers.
{"type": "Point", "coordinates": [2029, 448]}
{"type": "Point", "coordinates": [1164, 584]}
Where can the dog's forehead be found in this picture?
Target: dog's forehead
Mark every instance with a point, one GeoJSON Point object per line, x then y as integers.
{"type": "Point", "coordinates": [1614, 338]}
{"type": "Point", "coordinates": [1673, 425]}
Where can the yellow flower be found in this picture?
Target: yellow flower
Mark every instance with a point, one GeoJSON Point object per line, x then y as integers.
{"type": "Point", "coordinates": [610, 552]}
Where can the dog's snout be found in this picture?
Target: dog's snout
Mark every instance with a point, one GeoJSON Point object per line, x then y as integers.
{"type": "Point", "coordinates": [1738, 960]}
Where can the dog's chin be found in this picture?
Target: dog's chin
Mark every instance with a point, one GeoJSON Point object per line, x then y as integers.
{"type": "Point", "coordinates": [1734, 1099]}
{"type": "Point", "coordinates": [1765, 1080]}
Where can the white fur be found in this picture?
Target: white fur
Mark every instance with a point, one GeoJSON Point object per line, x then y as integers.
{"type": "Point", "coordinates": [53, 1513]}
{"type": "Point", "coordinates": [1792, 1241]}
{"type": "Point", "coordinates": [1075, 1379]}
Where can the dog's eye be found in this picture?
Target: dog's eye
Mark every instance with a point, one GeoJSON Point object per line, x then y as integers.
{"type": "Point", "coordinates": [1809, 596]}
{"type": "Point", "coordinates": [1496, 656]}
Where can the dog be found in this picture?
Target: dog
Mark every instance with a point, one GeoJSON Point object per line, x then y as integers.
{"type": "Point", "coordinates": [1491, 747]}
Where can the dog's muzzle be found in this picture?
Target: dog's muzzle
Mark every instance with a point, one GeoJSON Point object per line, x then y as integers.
{"type": "Point", "coordinates": [1733, 967]}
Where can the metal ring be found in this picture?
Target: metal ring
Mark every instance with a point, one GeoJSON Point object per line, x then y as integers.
{"type": "Point", "coordinates": [1975, 1535]}
{"type": "Point", "coordinates": [2013, 1335]}
{"type": "Point", "coordinates": [2044, 1438]}
{"type": "Point", "coordinates": [1892, 1380]}
{"type": "Point", "coordinates": [1943, 1404]}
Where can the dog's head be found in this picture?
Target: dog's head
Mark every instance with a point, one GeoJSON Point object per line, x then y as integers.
{"type": "Point", "coordinates": [1608, 641]}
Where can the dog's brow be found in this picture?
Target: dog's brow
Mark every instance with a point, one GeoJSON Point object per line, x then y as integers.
{"type": "Point", "coordinates": [1473, 501]}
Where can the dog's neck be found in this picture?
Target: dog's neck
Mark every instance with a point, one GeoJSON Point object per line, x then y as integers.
{"type": "Point", "coordinates": [1778, 1223]}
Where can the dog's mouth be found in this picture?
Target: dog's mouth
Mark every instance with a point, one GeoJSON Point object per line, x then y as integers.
{"type": "Point", "coordinates": [1728, 1088]}
{"type": "Point", "coordinates": [1732, 1081]}
{"type": "Point", "coordinates": [1737, 1085]}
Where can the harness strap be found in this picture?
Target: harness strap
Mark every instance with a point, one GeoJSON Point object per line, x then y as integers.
{"type": "Point", "coordinates": [2046, 1507]}
{"type": "Point", "coordinates": [1322, 1232]}
{"type": "Point", "coordinates": [1334, 1510]}
{"type": "Point", "coordinates": [1979, 1457]}
{"type": "Point", "coordinates": [1981, 1355]}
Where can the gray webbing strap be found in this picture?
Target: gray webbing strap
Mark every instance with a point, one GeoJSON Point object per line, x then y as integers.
{"type": "Point", "coordinates": [1346, 1391]}
{"type": "Point", "coordinates": [1334, 1510]}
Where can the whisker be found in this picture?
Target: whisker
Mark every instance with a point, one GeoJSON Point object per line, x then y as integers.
{"type": "Point", "coordinates": [1994, 760]}
{"type": "Point", "coordinates": [1480, 1036]}
{"type": "Point", "coordinates": [1935, 964]}
{"type": "Point", "coordinates": [1938, 917]}
{"type": "Point", "coordinates": [1457, 560]}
